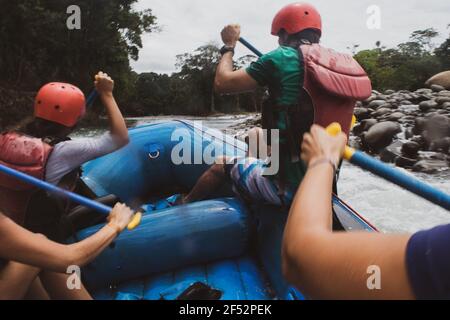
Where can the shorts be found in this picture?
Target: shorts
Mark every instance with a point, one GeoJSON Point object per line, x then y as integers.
{"type": "Point", "coordinates": [249, 182]}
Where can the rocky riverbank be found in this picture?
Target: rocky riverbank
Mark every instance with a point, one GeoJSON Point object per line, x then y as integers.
{"type": "Point", "coordinates": [410, 129]}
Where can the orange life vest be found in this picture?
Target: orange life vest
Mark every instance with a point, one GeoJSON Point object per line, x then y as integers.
{"type": "Point", "coordinates": [334, 82]}
{"type": "Point", "coordinates": [25, 154]}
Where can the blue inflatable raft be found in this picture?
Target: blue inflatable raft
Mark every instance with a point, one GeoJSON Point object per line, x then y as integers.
{"type": "Point", "coordinates": [214, 249]}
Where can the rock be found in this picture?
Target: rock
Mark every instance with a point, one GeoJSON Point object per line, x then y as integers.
{"type": "Point", "coordinates": [442, 145]}
{"type": "Point", "coordinates": [381, 112]}
{"type": "Point", "coordinates": [436, 128]}
{"type": "Point", "coordinates": [426, 106]}
{"type": "Point", "coordinates": [442, 79]}
{"type": "Point", "coordinates": [389, 92]}
{"type": "Point", "coordinates": [419, 140]}
{"type": "Point", "coordinates": [411, 149]}
{"type": "Point", "coordinates": [369, 100]}
{"type": "Point", "coordinates": [437, 88]}
{"type": "Point", "coordinates": [392, 152]}
{"type": "Point", "coordinates": [423, 97]}
{"type": "Point", "coordinates": [424, 91]}
{"type": "Point", "coordinates": [419, 126]}
{"type": "Point", "coordinates": [413, 109]}
{"type": "Point", "coordinates": [381, 135]}
{"type": "Point", "coordinates": [405, 162]}
{"type": "Point", "coordinates": [430, 166]}
{"type": "Point", "coordinates": [362, 113]}
{"type": "Point", "coordinates": [396, 116]}
{"type": "Point", "coordinates": [376, 103]}
{"type": "Point", "coordinates": [364, 126]}
{"type": "Point", "coordinates": [442, 100]}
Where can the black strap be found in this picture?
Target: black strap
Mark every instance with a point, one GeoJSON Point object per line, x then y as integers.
{"type": "Point", "coordinates": [200, 292]}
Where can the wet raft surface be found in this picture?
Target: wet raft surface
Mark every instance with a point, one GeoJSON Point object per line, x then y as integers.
{"type": "Point", "coordinates": [237, 279]}
{"type": "Point", "coordinates": [220, 242]}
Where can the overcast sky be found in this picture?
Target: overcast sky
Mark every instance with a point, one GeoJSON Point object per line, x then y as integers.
{"type": "Point", "coordinates": [188, 24]}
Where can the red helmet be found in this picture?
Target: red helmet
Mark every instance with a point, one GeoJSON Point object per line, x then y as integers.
{"type": "Point", "coordinates": [62, 103]}
{"type": "Point", "coordinates": [297, 17]}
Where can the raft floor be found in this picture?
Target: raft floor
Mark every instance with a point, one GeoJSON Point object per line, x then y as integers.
{"type": "Point", "coordinates": [237, 279]}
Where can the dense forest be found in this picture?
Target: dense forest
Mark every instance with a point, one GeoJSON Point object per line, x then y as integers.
{"type": "Point", "coordinates": [36, 47]}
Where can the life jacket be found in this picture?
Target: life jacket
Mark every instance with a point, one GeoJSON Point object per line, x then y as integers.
{"type": "Point", "coordinates": [25, 154]}
{"type": "Point", "coordinates": [24, 203]}
{"type": "Point", "coordinates": [332, 84]}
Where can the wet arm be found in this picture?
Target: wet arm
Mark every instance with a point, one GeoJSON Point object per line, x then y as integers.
{"type": "Point", "coordinates": [117, 125]}
{"type": "Point", "coordinates": [229, 81]}
{"type": "Point", "coordinates": [329, 265]}
{"type": "Point", "coordinates": [20, 245]}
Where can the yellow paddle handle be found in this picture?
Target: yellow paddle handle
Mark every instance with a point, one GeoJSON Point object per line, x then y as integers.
{"type": "Point", "coordinates": [333, 130]}
{"type": "Point", "coordinates": [354, 120]}
{"type": "Point", "coordinates": [136, 221]}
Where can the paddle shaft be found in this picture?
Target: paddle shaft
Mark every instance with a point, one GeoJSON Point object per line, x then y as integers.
{"type": "Point", "coordinates": [91, 98]}
{"type": "Point", "coordinates": [399, 178]}
{"type": "Point", "coordinates": [250, 47]}
{"type": "Point", "coordinates": [382, 170]}
{"type": "Point", "coordinates": [101, 208]}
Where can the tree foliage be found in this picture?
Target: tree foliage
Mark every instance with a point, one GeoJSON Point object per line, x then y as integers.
{"type": "Point", "coordinates": [407, 66]}
{"type": "Point", "coordinates": [191, 89]}
{"type": "Point", "coordinates": [36, 46]}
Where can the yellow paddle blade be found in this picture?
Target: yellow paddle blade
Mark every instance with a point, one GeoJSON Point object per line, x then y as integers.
{"type": "Point", "coordinates": [136, 221]}
{"type": "Point", "coordinates": [333, 130]}
{"type": "Point", "coordinates": [354, 121]}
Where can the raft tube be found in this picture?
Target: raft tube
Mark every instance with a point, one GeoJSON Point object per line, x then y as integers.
{"type": "Point", "coordinates": [171, 239]}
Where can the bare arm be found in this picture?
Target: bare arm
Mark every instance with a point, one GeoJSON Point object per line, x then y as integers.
{"type": "Point", "coordinates": [227, 80]}
{"type": "Point", "coordinates": [329, 265]}
{"type": "Point", "coordinates": [105, 86]}
{"type": "Point", "coordinates": [20, 245]}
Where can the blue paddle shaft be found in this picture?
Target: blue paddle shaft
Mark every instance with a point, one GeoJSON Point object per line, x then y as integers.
{"type": "Point", "coordinates": [250, 47]}
{"type": "Point", "coordinates": [101, 208]}
{"type": "Point", "coordinates": [401, 179]}
{"type": "Point", "coordinates": [91, 98]}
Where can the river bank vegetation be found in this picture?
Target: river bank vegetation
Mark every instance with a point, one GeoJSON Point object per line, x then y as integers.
{"type": "Point", "coordinates": [36, 47]}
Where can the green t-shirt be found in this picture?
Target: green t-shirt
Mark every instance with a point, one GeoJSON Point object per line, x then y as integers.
{"type": "Point", "coordinates": [282, 71]}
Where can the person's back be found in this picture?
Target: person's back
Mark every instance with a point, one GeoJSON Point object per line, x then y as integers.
{"type": "Point", "coordinates": [282, 72]}
{"type": "Point", "coordinates": [308, 84]}
{"type": "Point", "coordinates": [42, 149]}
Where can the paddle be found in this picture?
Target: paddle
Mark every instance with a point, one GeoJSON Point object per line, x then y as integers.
{"type": "Point", "coordinates": [392, 174]}
{"type": "Point", "coordinates": [91, 98]}
{"type": "Point", "coordinates": [101, 208]}
{"type": "Point", "coordinates": [250, 47]}
{"type": "Point", "coordinates": [380, 169]}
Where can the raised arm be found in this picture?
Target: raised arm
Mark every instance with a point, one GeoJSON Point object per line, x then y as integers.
{"type": "Point", "coordinates": [329, 265]}
{"type": "Point", "coordinates": [20, 245]}
{"type": "Point", "coordinates": [105, 87]}
{"type": "Point", "coordinates": [228, 80]}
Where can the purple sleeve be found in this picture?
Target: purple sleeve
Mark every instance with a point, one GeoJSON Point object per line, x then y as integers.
{"type": "Point", "coordinates": [428, 262]}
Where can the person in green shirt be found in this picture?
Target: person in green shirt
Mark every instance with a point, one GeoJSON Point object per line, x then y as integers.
{"type": "Point", "coordinates": [282, 72]}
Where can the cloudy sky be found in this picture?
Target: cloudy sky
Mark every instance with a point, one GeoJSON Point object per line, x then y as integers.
{"type": "Point", "coordinates": [188, 24]}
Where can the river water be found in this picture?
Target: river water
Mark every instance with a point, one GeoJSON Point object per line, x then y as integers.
{"type": "Point", "coordinates": [388, 207]}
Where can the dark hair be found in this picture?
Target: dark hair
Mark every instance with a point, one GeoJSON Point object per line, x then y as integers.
{"type": "Point", "coordinates": [295, 40]}
{"type": "Point", "coordinates": [40, 128]}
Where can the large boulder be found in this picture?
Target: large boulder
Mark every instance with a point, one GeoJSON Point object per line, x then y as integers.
{"type": "Point", "coordinates": [381, 135]}
{"type": "Point", "coordinates": [441, 79]}
{"type": "Point", "coordinates": [436, 128]}
{"type": "Point", "coordinates": [364, 126]}
{"type": "Point", "coordinates": [430, 166]}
